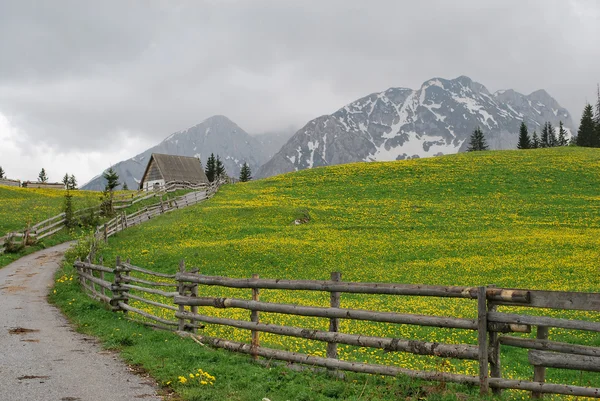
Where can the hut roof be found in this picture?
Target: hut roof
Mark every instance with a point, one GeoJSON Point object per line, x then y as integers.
{"type": "Point", "coordinates": [178, 168]}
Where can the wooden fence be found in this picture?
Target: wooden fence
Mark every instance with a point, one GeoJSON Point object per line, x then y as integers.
{"type": "Point", "coordinates": [493, 328]}
{"type": "Point", "coordinates": [56, 223]}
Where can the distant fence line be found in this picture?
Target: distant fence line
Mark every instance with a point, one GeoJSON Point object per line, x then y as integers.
{"type": "Point", "coordinates": [54, 224]}
{"type": "Point", "coordinates": [129, 282]}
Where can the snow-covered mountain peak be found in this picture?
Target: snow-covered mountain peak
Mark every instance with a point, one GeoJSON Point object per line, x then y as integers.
{"type": "Point", "coordinates": [401, 123]}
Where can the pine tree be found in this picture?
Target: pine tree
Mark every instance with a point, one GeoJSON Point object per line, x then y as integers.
{"type": "Point", "coordinates": [562, 135]}
{"type": "Point", "coordinates": [552, 141]}
{"type": "Point", "coordinates": [42, 177]}
{"type": "Point", "coordinates": [72, 182]}
{"type": "Point", "coordinates": [524, 140]}
{"type": "Point", "coordinates": [220, 172]}
{"type": "Point", "coordinates": [477, 141]}
{"type": "Point", "coordinates": [544, 140]}
{"type": "Point", "coordinates": [211, 168]}
{"type": "Point", "coordinates": [535, 141]}
{"type": "Point", "coordinates": [65, 180]}
{"type": "Point", "coordinates": [2, 172]}
{"type": "Point", "coordinates": [597, 116]}
{"type": "Point", "coordinates": [112, 179]}
{"type": "Point", "coordinates": [587, 128]}
{"type": "Point", "coordinates": [596, 140]}
{"type": "Point", "coordinates": [125, 186]}
{"type": "Point", "coordinates": [68, 209]}
{"type": "Point", "coordinates": [245, 173]}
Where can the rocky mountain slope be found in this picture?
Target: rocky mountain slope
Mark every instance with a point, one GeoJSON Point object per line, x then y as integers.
{"type": "Point", "coordinates": [402, 123]}
{"type": "Point", "coordinates": [217, 135]}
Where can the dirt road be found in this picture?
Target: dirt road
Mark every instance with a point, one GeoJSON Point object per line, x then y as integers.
{"type": "Point", "coordinates": [41, 357]}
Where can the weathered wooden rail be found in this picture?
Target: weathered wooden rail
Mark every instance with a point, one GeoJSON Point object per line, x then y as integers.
{"type": "Point", "coordinates": [132, 282]}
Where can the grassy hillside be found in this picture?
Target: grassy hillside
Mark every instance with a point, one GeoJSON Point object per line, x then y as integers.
{"type": "Point", "coordinates": [528, 219]}
{"type": "Point", "coordinates": [19, 206]}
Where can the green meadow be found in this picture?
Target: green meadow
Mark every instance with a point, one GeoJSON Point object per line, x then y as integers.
{"type": "Point", "coordinates": [520, 219]}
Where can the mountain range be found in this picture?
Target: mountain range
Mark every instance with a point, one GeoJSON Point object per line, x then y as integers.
{"type": "Point", "coordinates": [396, 124]}
{"type": "Point", "coordinates": [402, 123]}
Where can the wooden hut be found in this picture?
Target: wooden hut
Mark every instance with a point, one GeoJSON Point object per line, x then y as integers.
{"type": "Point", "coordinates": [162, 169]}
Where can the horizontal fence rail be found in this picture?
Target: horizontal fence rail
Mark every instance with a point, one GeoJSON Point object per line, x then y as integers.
{"type": "Point", "coordinates": [132, 282]}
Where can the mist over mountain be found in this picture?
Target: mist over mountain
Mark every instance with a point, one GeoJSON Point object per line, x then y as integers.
{"type": "Point", "coordinates": [217, 134]}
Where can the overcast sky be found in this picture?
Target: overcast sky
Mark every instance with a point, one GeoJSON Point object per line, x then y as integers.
{"type": "Point", "coordinates": [86, 84]}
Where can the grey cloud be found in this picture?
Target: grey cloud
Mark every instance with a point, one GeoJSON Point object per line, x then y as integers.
{"type": "Point", "coordinates": [80, 74]}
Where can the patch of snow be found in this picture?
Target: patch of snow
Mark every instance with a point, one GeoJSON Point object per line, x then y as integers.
{"type": "Point", "coordinates": [555, 112]}
{"type": "Point", "coordinates": [170, 136]}
{"type": "Point", "coordinates": [432, 108]}
{"type": "Point", "coordinates": [312, 146]}
{"type": "Point", "coordinates": [343, 122]}
{"type": "Point", "coordinates": [514, 111]}
{"type": "Point", "coordinates": [136, 180]}
{"type": "Point", "coordinates": [415, 145]}
{"type": "Point", "coordinates": [292, 159]}
{"type": "Point", "coordinates": [207, 131]}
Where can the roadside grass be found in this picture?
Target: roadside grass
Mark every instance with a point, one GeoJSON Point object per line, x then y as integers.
{"type": "Point", "coordinates": [517, 219]}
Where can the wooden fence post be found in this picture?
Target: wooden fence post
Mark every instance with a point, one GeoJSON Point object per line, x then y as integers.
{"type": "Point", "coordinates": [482, 338]}
{"type": "Point", "coordinates": [105, 233]}
{"type": "Point", "coordinates": [494, 349]}
{"type": "Point", "coordinates": [26, 235]}
{"type": "Point", "coordinates": [181, 290]}
{"type": "Point", "coordinates": [102, 289]}
{"type": "Point", "coordinates": [194, 309]}
{"type": "Point", "coordinates": [87, 271]}
{"type": "Point", "coordinates": [334, 323]}
{"type": "Point", "coordinates": [254, 317]}
{"type": "Point", "coordinates": [127, 273]}
{"type": "Point", "coordinates": [118, 290]}
{"type": "Point", "coordinates": [539, 372]}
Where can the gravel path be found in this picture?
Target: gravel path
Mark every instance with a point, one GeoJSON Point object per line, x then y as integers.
{"type": "Point", "coordinates": [41, 357]}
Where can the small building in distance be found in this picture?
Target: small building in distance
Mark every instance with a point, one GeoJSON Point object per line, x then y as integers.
{"type": "Point", "coordinates": [43, 185]}
{"type": "Point", "coordinates": [10, 183]}
{"type": "Point", "coordinates": [162, 169]}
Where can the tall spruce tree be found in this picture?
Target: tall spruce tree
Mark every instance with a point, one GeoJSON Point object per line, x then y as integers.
{"type": "Point", "coordinates": [596, 140]}
{"type": "Point", "coordinates": [112, 179]}
{"type": "Point", "coordinates": [562, 135]}
{"type": "Point", "coordinates": [2, 172]}
{"type": "Point", "coordinates": [587, 128]}
{"type": "Point", "coordinates": [535, 141]}
{"type": "Point", "coordinates": [245, 173]}
{"type": "Point", "coordinates": [211, 168]}
{"type": "Point", "coordinates": [65, 180]}
{"type": "Point", "coordinates": [220, 172]}
{"type": "Point", "coordinates": [42, 177]}
{"type": "Point", "coordinates": [524, 140]}
{"type": "Point", "coordinates": [72, 184]}
{"type": "Point", "coordinates": [544, 139]}
{"type": "Point", "coordinates": [477, 141]}
{"type": "Point", "coordinates": [125, 186]}
{"type": "Point", "coordinates": [552, 141]}
{"type": "Point", "coordinates": [597, 116]}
